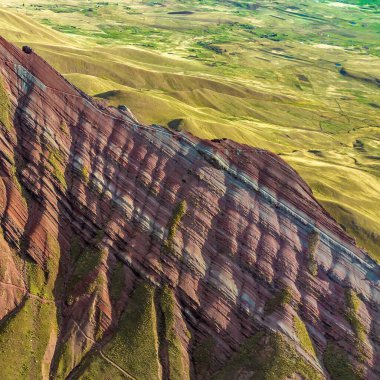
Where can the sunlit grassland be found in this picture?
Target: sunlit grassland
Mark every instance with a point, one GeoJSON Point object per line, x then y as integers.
{"type": "Point", "coordinates": [298, 79]}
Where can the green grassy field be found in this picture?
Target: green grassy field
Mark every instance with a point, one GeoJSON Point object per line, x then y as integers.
{"type": "Point", "coordinates": [299, 79]}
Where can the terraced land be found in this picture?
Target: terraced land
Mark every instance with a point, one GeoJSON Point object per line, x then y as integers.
{"type": "Point", "coordinates": [299, 79]}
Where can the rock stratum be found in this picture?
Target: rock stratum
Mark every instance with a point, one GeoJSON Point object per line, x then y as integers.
{"type": "Point", "coordinates": [138, 252]}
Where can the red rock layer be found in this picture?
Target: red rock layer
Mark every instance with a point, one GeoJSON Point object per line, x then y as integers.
{"type": "Point", "coordinates": [244, 236]}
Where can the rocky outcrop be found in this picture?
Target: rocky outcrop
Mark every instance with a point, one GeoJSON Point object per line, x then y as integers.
{"type": "Point", "coordinates": [139, 252]}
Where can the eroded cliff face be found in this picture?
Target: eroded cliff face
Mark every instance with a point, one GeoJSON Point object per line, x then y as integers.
{"type": "Point", "coordinates": [138, 252]}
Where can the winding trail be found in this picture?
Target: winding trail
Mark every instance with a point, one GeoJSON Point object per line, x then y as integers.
{"type": "Point", "coordinates": [102, 354]}
{"type": "Point", "coordinates": [96, 344]}
{"type": "Point", "coordinates": [28, 294]}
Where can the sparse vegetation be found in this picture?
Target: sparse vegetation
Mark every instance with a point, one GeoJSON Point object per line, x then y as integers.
{"type": "Point", "coordinates": [42, 281]}
{"type": "Point", "coordinates": [100, 367]}
{"type": "Point", "coordinates": [203, 356]}
{"type": "Point", "coordinates": [338, 364]}
{"type": "Point", "coordinates": [352, 310]}
{"type": "Point", "coordinates": [5, 106]}
{"type": "Point", "coordinates": [178, 214]}
{"type": "Point", "coordinates": [134, 347]}
{"type": "Point", "coordinates": [55, 160]}
{"type": "Point", "coordinates": [312, 266]}
{"type": "Point", "coordinates": [52, 280]}
{"type": "Point", "coordinates": [76, 248]}
{"type": "Point", "coordinates": [313, 240]}
{"type": "Point", "coordinates": [35, 277]}
{"type": "Point", "coordinates": [86, 260]}
{"type": "Point", "coordinates": [303, 335]}
{"type": "Point", "coordinates": [268, 356]}
{"type": "Point", "coordinates": [64, 128]}
{"type": "Point", "coordinates": [16, 180]}
{"type": "Point", "coordinates": [85, 175]}
{"type": "Point", "coordinates": [117, 282]}
{"type": "Point", "coordinates": [210, 46]}
{"type": "Point", "coordinates": [279, 300]}
{"type": "Point", "coordinates": [24, 339]}
{"type": "Point", "coordinates": [177, 370]}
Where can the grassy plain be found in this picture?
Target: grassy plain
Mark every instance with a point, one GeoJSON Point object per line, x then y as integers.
{"type": "Point", "coordinates": [300, 79]}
